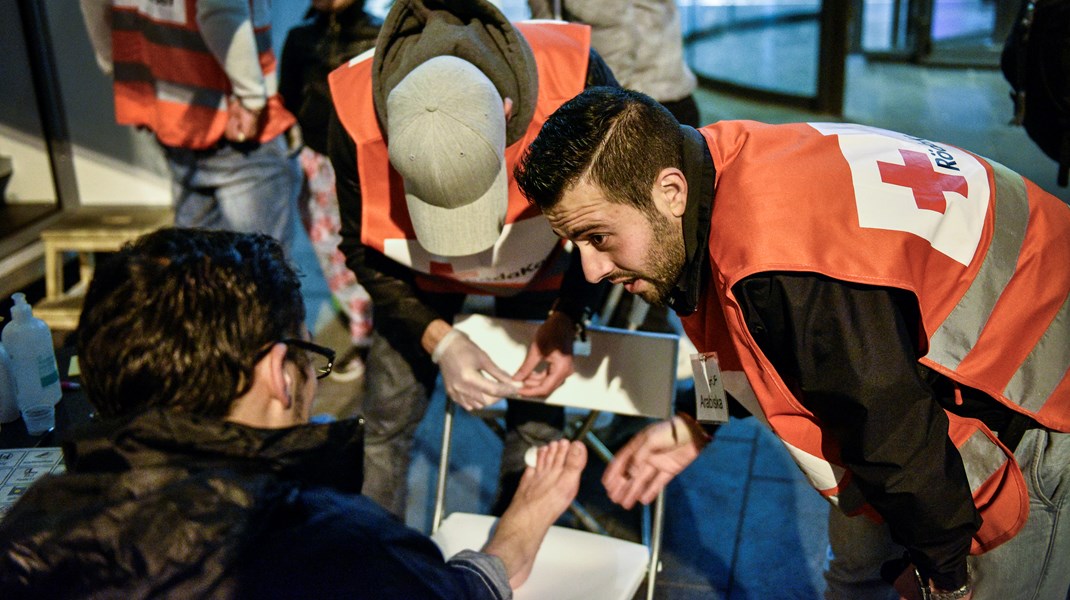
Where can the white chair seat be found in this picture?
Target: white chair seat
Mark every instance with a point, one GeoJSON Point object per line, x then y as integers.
{"type": "Point", "coordinates": [571, 564]}
{"type": "Point", "coordinates": [622, 372]}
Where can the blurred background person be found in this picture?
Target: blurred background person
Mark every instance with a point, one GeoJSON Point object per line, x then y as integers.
{"type": "Point", "coordinates": [641, 42]}
{"type": "Point", "coordinates": [201, 76]}
{"type": "Point", "coordinates": [333, 32]}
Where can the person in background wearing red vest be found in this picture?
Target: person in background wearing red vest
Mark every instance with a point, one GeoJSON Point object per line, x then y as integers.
{"type": "Point", "coordinates": [200, 75]}
{"type": "Point", "coordinates": [895, 309]}
{"type": "Point", "coordinates": [425, 134]}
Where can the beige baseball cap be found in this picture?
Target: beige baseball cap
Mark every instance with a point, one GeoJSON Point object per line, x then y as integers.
{"type": "Point", "coordinates": [446, 137]}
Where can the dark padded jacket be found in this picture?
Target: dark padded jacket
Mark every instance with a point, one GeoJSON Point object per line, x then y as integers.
{"type": "Point", "coordinates": [174, 506]}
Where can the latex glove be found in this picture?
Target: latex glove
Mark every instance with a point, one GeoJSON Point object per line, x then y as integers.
{"type": "Point", "coordinates": [649, 461]}
{"type": "Point", "coordinates": [243, 125]}
{"type": "Point", "coordinates": [471, 377]}
{"type": "Point", "coordinates": [552, 346]}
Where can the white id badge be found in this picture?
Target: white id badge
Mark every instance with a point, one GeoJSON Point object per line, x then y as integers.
{"type": "Point", "coordinates": [711, 405]}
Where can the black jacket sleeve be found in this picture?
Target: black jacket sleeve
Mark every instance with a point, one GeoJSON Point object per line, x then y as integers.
{"type": "Point", "coordinates": [292, 64]}
{"type": "Point", "coordinates": [850, 353]}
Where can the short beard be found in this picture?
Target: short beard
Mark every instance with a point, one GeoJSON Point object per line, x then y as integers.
{"type": "Point", "coordinates": [666, 260]}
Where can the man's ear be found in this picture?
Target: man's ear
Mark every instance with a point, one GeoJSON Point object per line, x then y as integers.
{"type": "Point", "coordinates": [670, 191]}
{"type": "Point", "coordinates": [277, 379]}
{"type": "Point", "coordinates": [268, 401]}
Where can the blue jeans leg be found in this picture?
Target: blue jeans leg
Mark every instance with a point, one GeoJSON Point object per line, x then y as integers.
{"type": "Point", "coordinates": [395, 401]}
{"type": "Point", "coordinates": [1030, 566]}
{"type": "Point", "coordinates": [1033, 564]}
{"type": "Point", "coordinates": [252, 190]}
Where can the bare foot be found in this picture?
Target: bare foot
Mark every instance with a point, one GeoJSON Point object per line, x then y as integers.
{"type": "Point", "coordinates": [544, 493]}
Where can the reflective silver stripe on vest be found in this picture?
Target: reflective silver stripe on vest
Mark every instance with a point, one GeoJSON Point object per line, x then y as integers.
{"type": "Point", "coordinates": [191, 95]}
{"type": "Point", "coordinates": [174, 36]}
{"type": "Point", "coordinates": [187, 94]}
{"type": "Point", "coordinates": [981, 457]}
{"type": "Point", "coordinates": [952, 341]}
{"type": "Point", "coordinates": [1046, 365]}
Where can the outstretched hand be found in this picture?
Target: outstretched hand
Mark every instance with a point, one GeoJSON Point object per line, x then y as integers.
{"type": "Point", "coordinates": [546, 489]}
{"type": "Point", "coordinates": [553, 346]}
{"type": "Point", "coordinates": [649, 461]}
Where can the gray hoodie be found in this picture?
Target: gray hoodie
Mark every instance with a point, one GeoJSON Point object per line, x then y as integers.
{"type": "Point", "coordinates": [474, 30]}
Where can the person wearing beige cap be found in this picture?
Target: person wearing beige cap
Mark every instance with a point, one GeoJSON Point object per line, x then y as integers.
{"type": "Point", "coordinates": [426, 131]}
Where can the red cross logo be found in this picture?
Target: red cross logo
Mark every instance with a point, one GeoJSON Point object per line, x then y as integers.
{"type": "Point", "coordinates": [919, 175]}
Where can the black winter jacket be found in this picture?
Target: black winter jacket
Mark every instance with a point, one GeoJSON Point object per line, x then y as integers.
{"type": "Point", "coordinates": [171, 505]}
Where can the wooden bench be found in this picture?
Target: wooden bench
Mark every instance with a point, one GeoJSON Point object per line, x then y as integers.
{"type": "Point", "coordinates": [88, 230]}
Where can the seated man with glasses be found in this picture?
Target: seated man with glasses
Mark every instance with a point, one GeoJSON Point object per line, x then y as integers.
{"type": "Point", "coordinates": [202, 477]}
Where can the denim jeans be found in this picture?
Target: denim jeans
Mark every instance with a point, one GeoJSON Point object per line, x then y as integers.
{"type": "Point", "coordinates": [1030, 566]}
{"type": "Point", "coordinates": [398, 383]}
{"type": "Point", "coordinates": [247, 189]}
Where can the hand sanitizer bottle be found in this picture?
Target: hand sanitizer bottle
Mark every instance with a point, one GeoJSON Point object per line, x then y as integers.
{"type": "Point", "coordinates": [9, 408]}
{"type": "Point", "coordinates": [29, 342]}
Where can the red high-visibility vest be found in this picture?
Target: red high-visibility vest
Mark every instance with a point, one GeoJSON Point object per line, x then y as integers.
{"type": "Point", "coordinates": [528, 255]}
{"type": "Point", "coordinates": [167, 80]}
{"type": "Point", "coordinates": [970, 239]}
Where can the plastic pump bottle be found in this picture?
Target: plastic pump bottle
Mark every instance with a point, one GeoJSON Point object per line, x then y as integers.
{"type": "Point", "coordinates": [9, 408]}
{"type": "Point", "coordinates": [29, 342]}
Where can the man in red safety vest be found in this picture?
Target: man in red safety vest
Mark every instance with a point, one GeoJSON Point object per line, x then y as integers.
{"type": "Point", "coordinates": [893, 308]}
{"type": "Point", "coordinates": [201, 76]}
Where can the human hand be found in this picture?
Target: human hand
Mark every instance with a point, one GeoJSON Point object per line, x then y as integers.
{"type": "Point", "coordinates": [546, 490]}
{"type": "Point", "coordinates": [243, 124]}
{"type": "Point", "coordinates": [649, 461]}
{"type": "Point", "coordinates": [470, 376]}
{"type": "Point", "coordinates": [552, 345]}
{"type": "Point", "coordinates": [908, 587]}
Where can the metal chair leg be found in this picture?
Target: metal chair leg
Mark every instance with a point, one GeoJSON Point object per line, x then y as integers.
{"type": "Point", "coordinates": [443, 466]}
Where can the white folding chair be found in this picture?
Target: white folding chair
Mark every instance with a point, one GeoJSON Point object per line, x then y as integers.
{"type": "Point", "coordinates": [627, 373]}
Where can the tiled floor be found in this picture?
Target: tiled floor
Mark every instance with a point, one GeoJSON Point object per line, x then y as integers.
{"type": "Point", "coordinates": [741, 523]}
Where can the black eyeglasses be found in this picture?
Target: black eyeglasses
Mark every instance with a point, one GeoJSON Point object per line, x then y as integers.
{"type": "Point", "coordinates": [322, 356]}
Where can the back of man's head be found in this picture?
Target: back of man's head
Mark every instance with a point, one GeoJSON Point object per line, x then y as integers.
{"type": "Point", "coordinates": [179, 317]}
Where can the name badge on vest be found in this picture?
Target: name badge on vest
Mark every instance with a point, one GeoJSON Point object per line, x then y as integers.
{"type": "Point", "coordinates": [711, 405]}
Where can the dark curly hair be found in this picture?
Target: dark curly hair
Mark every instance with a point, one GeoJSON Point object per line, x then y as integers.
{"type": "Point", "coordinates": [179, 317]}
{"type": "Point", "coordinates": [620, 139]}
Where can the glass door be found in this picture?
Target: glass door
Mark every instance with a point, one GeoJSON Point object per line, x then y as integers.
{"type": "Point", "coordinates": [36, 178]}
{"type": "Point", "coordinates": [957, 33]}
{"type": "Point", "coordinates": [789, 51]}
